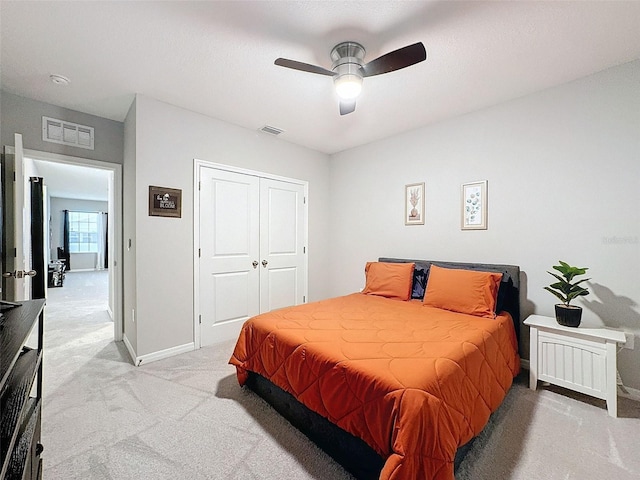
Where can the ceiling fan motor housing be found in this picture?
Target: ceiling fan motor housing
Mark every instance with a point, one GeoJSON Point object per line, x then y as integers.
{"type": "Point", "coordinates": [348, 58]}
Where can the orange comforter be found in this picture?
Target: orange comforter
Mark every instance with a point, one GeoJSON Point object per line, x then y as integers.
{"type": "Point", "coordinates": [414, 382]}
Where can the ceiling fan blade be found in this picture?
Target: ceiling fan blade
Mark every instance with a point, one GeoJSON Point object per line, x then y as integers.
{"type": "Point", "coordinates": [305, 67]}
{"type": "Point", "coordinates": [347, 106]}
{"type": "Point", "coordinates": [401, 58]}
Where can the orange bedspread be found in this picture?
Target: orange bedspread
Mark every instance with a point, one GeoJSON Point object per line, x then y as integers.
{"type": "Point", "coordinates": [414, 382]}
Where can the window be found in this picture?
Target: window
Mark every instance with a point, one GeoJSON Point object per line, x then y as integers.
{"type": "Point", "coordinates": [83, 232]}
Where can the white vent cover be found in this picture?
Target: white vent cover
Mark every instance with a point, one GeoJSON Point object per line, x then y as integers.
{"type": "Point", "coordinates": [67, 133]}
{"type": "Point", "coordinates": [271, 130]}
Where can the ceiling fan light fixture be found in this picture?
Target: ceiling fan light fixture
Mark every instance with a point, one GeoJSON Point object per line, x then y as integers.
{"type": "Point", "coordinates": [348, 86]}
{"type": "Point", "coordinates": [348, 68]}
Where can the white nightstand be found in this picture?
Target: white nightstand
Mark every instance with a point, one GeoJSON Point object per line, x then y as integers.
{"type": "Point", "coordinates": [582, 359]}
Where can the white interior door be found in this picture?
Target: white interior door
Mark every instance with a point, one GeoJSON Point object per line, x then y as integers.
{"type": "Point", "coordinates": [282, 244]}
{"type": "Point", "coordinates": [229, 253]}
{"type": "Point", "coordinates": [18, 231]}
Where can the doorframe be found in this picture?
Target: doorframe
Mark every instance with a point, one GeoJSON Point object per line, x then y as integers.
{"type": "Point", "coordinates": [197, 165]}
{"type": "Point", "coordinates": [115, 194]}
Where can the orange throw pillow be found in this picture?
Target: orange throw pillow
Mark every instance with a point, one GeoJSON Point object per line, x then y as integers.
{"type": "Point", "coordinates": [391, 280]}
{"type": "Point", "coordinates": [463, 291]}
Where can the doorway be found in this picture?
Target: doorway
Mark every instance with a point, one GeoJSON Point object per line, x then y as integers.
{"type": "Point", "coordinates": [82, 185]}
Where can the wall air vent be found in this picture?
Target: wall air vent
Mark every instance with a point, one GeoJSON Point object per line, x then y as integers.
{"type": "Point", "coordinates": [271, 130]}
{"type": "Point", "coordinates": [67, 133]}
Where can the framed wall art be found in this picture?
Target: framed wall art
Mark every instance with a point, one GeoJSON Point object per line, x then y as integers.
{"type": "Point", "coordinates": [165, 202]}
{"type": "Point", "coordinates": [474, 205]}
{"type": "Point", "coordinates": [414, 204]}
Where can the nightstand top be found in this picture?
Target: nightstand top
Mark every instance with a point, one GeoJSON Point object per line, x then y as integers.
{"type": "Point", "coordinates": [550, 323]}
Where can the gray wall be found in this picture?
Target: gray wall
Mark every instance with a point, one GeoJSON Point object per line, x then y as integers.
{"type": "Point", "coordinates": [24, 115]}
{"type": "Point", "coordinates": [167, 140]}
{"type": "Point", "coordinates": [79, 261]}
{"type": "Point", "coordinates": [563, 167]}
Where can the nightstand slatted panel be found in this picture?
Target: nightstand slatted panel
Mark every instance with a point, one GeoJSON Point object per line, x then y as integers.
{"type": "Point", "coordinates": [572, 365]}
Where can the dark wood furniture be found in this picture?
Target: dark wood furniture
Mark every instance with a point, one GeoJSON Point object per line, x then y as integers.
{"type": "Point", "coordinates": [21, 391]}
{"type": "Point", "coordinates": [55, 275]}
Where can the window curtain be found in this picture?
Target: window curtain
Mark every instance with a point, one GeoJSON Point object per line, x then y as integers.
{"type": "Point", "coordinates": [101, 256]}
{"type": "Point", "coordinates": [106, 241]}
{"type": "Point", "coordinates": [65, 255]}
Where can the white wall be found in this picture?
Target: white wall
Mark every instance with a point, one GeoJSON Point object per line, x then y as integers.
{"type": "Point", "coordinates": [563, 167]}
{"type": "Point", "coordinates": [167, 140]}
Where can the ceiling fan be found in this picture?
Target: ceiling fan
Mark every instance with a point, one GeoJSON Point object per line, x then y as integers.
{"type": "Point", "coordinates": [348, 68]}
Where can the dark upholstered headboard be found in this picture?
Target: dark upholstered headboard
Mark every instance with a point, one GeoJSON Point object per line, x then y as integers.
{"type": "Point", "coordinates": [509, 293]}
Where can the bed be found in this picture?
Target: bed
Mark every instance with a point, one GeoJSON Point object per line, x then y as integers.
{"type": "Point", "coordinates": [390, 385]}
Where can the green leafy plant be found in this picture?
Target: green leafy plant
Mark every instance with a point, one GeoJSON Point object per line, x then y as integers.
{"type": "Point", "coordinates": [564, 289]}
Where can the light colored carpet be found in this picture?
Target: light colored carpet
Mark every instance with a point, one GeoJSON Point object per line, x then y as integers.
{"type": "Point", "coordinates": [186, 418]}
{"type": "Point", "coordinates": [554, 433]}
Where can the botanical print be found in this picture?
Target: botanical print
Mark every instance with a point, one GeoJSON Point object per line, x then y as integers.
{"type": "Point", "coordinates": [473, 205]}
{"type": "Point", "coordinates": [413, 200]}
{"type": "Point", "coordinates": [414, 204]}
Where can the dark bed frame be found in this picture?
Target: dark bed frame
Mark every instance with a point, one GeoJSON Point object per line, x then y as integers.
{"type": "Point", "coordinates": [352, 453]}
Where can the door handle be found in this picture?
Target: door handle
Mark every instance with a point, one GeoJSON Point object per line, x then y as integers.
{"type": "Point", "coordinates": [20, 274]}
{"type": "Point", "coordinates": [264, 263]}
{"type": "Point", "coordinates": [255, 264]}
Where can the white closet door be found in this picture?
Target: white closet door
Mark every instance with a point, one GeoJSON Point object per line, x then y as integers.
{"type": "Point", "coordinates": [282, 236]}
{"type": "Point", "coordinates": [229, 246]}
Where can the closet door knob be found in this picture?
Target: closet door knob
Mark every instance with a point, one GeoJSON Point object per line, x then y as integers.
{"type": "Point", "coordinates": [255, 264]}
{"type": "Point", "coordinates": [264, 263]}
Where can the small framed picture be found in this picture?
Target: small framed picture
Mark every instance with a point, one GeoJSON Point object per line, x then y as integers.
{"type": "Point", "coordinates": [474, 205]}
{"type": "Point", "coordinates": [165, 202]}
{"type": "Point", "coordinates": [414, 204]}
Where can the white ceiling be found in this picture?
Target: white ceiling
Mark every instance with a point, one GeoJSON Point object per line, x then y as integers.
{"type": "Point", "coordinates": [74, 181]}
{"type": "Point", "coordinates": [217, 58]}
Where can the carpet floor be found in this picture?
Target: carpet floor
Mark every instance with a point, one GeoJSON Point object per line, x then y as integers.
{"type": "Point", "coordinates": [186, 417]}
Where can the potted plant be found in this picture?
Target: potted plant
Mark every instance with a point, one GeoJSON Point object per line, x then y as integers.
{"type": "Point", "coordinates": [566, 314]}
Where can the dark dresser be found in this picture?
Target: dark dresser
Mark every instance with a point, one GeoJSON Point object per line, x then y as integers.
{"type": "Point", "coordinates": [21, 391]}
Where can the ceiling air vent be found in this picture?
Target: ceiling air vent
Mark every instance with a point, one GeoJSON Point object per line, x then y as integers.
{"type": "Point", "coordinates": [67, 133]}
{"type": "Point", "coordinates": [271, 130]}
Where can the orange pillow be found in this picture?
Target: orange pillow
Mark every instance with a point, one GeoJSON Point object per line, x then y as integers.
{"type": "Point", "coordinates": [391, 280]}
{"type": "Point", "coordinates": [463, 291]}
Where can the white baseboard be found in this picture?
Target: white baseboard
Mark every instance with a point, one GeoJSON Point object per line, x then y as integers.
{"type": "Point", "coordinates": [169, 352]}
{"type": "Point", "coordinates": [132, 352]}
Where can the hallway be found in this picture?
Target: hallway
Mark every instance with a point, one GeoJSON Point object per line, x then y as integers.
{"type": "Point", "coordinates": [77, 324]}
